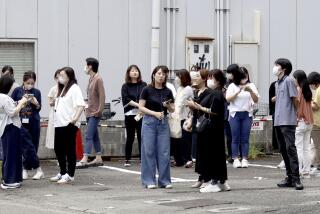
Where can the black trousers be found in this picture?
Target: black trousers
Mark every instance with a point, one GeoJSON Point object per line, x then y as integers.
{"type": "Point", "coordinates": [65, 148]}
{"type": "Point", "coordinates": [286, 138]}
{"type": "Point", "coordinates": [132, 126]}
{"type": "Point", "coordinates": [182, 147]}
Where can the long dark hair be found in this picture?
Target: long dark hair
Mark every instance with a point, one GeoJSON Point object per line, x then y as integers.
{"type": "Point", "coordinates": [185, 78]}
{"type": "Point", "coordinates": [128, 78]}
{"type": "Point", "coordinates": [72, 80]}
{"type": "Point", "coordinates": [165, 70]}
{"type": "Point", "coordinates": [302, 80]}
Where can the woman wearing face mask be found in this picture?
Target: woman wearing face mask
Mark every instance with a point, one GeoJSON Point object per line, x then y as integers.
{"type": "Point", "coordinates": [68, 108]}
{"type": "Point", "coordinates": [30, 129]}
{"type": "Point", "coordinates": [52, 95]}
{"type": "Point", "coordinates": [155, 102]}
{"type": "Point", "coordinates": [241, 95]}
{"type": "Point", "coordinates": [130, 94]}
{"type": "Point", "coordinates": [182, 152]}
{"type": "Point", "coordinates": [211, 163]}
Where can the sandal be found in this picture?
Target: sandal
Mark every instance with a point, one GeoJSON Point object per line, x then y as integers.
{"type": "Point", "coordinates": [81, 165]}
{"type": "Point", "coordinates": [95, 164]}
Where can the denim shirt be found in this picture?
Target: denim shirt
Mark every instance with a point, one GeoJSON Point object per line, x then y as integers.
{"type": "Point", "coordinates": [17, 95]}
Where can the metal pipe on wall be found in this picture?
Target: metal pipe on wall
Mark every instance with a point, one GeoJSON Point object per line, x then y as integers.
{"type": "Point", "coordinates": [155, 39]}
{"type": "Point", "coordinates": [228, 44]}
{"type": "Point", "coordinates": [222, 38]}
{"type": "Point", "coordinates": [218, 32]}
{"type": "Point", "coordinates": [173, 38]}
{"type": "Point", "coordinates": [168, 33]}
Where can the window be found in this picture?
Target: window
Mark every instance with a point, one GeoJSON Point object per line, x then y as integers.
{"type": "Point", "coordinates": [196, 48]}
{"type": "Point", "coordinates": [20, 55]}
{"type": "Point", "coordinates": [206, 48]}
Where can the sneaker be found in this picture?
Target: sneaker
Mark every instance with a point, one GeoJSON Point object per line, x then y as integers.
{"type": "Point", "coordinates": [168, 186]}
{"type": "Point", "coordinates": [56, 178]}
{"type": "Point", "coordinates": [203, 185]}
{"type": "Point", "coordinates": [305, 176]}
{"type": "Point", "coordinates": [25, 174]}
{"type": "Point", "coordinates": [197, 184]}
{"type": "Point", "coordinates": [236, 163]}
{"type": "Point", "coordinates": [189, 164]}
{"type": "Point", "coordinates": [224, 187]}
{"type": "Point", "coordinates": [127, 163]}
{"type": "Point", "coordinates": [151, 186]}
{"type": "Point", "coordinates": [65, 179]}
{"type": "Point", "coordinates": [285, 183]}
{"type": "Point", "coordinates": [244, 163]}
{"type": "Point", "coordinates": [298, 185]}
{"type": "Point", "coordinates": [10, 186]}
{"type": "Point", "coordinates": [38, 175]}
{"type": "Point", "coordinates": [211, 188]}
{"type": "Point", "coordinates": [281, 165]}
{"type": "Point", "coordinates": [315, 172]}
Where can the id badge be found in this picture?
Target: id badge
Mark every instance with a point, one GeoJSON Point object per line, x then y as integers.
{"type": "Point", "coordinates": [25, 120]}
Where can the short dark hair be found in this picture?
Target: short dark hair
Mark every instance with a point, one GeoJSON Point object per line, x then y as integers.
{"type": "Point", "coordinates": [185, 78]}
{"type": "Point", "coordinates": [94, 63]}
{"type": "Point", "coordinates": [164, 69]}
{"type": "Point", "coordinates": [6, 83]}
{"type": "Point", "coordinates": [7, 68]}
{"type": "Point", "coordinates": [237, 72]}
{"type": "Point", "coordinates": [314, 78]}
{"type": "Point", "coordinates": [285, 64]}
{"type": "Point", "coordinates": [128, 78]}
{"type": "Point", "coordinates": [233, 68]}
{"type": "Point", "coordinates": [218, 75]}
{"type": "Point", "coordinates": [29, 75]}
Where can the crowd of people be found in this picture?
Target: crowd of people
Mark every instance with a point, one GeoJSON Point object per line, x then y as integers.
{"type": "Point", "coordinates": [193, 121]}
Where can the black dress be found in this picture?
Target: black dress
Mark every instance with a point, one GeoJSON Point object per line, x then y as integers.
{"type": "Point", "coordinates": [211, 162]}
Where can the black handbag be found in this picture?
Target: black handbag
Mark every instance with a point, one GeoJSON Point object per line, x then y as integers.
{"type": "Point", "coordinates": [203, 121]}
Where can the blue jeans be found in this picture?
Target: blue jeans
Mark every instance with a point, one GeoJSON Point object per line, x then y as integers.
{"type": "Point", "coordinates": [240, 129]}
{"type": "Point", "coordinates": [92, 136]}
{"type": "Point", "coordinates": [155, 151]}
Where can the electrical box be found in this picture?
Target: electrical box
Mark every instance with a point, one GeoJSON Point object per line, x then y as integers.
{"type": "Point", "coordinates": [199, 53]}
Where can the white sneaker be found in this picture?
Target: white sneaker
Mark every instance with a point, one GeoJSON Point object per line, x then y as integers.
{"type": "Point", "coordinates": [25, 174]}
{"type": "Point", "coordinates": [224, 187]}
{"type": "Point", "coordinates": [38, 175]}
{"type": "Point", "coordinates": [151, 186]}
{"type": "Point", "coordinates": [10, 186]}
{"type": "Point", "coordinates": [56, 178]}
{"type": "Point", "coordinates": [315, 172]}
{"type": "Point", "coordinates": [169, 186]}
{"type": "Point", "coordinates": [197, 184]}
{"type": "Point", "coordinates": [203, 185]}
{"type": "Point", "coordinates": [211, 188]}
{"type": "Point", "coordinates": [281, 165]}
{"type": "Point", "coordinates": [127, 163]}
{"type": "Point", "coordinates": [65, 179]}
{"type": "Point", "coordinates": [236, 163]}
{"type": "Point", "coordinates": [244, 163]}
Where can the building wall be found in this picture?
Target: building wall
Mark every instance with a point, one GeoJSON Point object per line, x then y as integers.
{"type": "Point", "coordinates": [118, 32]}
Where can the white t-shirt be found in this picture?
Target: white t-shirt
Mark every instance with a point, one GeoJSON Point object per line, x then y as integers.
{"type": "Point", "coordinates": [183, 94]}
{"type": "Point", "coordinates": [66, 107]}
{"type": "Point", "coordinates": [243, 102]}
{"type": "Point", "coordinates": [7, 109]}
{"type": "Point", "coordinates": [172, 88]}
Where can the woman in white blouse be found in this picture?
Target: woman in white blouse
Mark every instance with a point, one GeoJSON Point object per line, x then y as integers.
{"type": "Point", "coordinates": [68, 108]}
{"type": "Point", "coordinates": [242, 95]}
{"type": "Point", "coordinates": [184, 93]}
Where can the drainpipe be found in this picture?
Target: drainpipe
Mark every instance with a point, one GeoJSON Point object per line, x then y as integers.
{"type": "Point", "coordinates": [218, 32]}
{"type": "Point", "coordinates": [173, 37]}
{"type": "Point", "coordinates": [168, 34]}
{"type": "Point", "coordinates": [155, 40]}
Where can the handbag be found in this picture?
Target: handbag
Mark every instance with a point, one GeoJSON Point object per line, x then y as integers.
{"type": "Point", "coordinates": [187, 125]}
{"type": "Point", "coordinates": [203, 122]}
{"type": "Point", "coordinates": [175, 126]}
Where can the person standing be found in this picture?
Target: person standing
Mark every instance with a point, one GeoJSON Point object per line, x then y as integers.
{"type": "Point", "coordinates": [155, 102]}
{"type": "Point", "coordinates": [96, 99]}
{"type": "Point", "coordinates": [285, 122]}
{"type": "Point", "coordinates": [30, 130]}
{"type": "Point", "coordinates": [305, 121]}
{"type": "Point", "coordinates": [241, 94]}
{"type": "Point", "coordinates": [8, 70]}
{"type": "Point", "coordinates": [10, 125]}
{"type": "Point", "coordinates": [130, 93]}
{"type": "Point", "coordinates": [314, 82]}
{"type": "Point", "coordinates": [68, 108]}
{"type": "Point", "coordinates": [52, 95]}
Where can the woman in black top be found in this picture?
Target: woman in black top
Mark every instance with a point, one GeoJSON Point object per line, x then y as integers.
{"type": "Point", "coordinates": [130, 94]}
{"type": "Point", "coordinates": [211, 163]}
{"type": "Point", "coordinates": [155, 102]}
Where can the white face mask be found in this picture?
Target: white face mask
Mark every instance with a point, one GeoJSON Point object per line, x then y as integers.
{"type": "Point", "coordinates": [276, 70]}
{"type": "Point", "coordinates": [244, 81]}
{"type": "Point", "coordinates": [211, 83]}
{"type": "Point", "coordinates": [177, 81]}
{"type": "Point", "coordinates": [86, 71]}
{"type": "Point", "coordinates": [28, 87]}
{"type": "Point", "coordinates": [229, 76]}
{"type": "Point", "coordinates": [61, 80]}
{"type": "Point", "coordinates": [194, 74]}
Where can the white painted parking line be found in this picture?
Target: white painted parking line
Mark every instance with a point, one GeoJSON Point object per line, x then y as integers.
{"type": "Point", "coordinates": [173, 179]}
{"type": "Point", "coordinates": [264, 166]}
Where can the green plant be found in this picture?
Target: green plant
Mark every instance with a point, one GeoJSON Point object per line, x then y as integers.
{"type": "Point", "coordinates": [254, 149]}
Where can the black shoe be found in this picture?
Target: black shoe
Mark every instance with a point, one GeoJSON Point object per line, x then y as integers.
{"type": "Point", "coordinates": [285, 183]}
{"type": "Point", "coordinates": [298, 185]}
